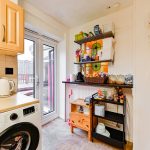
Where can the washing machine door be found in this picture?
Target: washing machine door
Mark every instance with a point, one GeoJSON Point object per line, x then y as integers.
{"type": "Point", "coordinates": [21, 136]}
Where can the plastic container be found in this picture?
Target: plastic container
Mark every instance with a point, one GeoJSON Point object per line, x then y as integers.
{"type": "Point", "coordinates": [72, 77]}
{"type": "Point", "coordinates": [99, 110]}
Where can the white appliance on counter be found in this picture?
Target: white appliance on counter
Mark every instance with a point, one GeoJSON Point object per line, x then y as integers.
{"type": "Point", "coordinates": [21, 128]}
{"type": "Point", "coordinates": [6, 87]}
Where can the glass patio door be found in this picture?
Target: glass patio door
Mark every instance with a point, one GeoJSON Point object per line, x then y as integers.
{"type": "Point", "coordinates": [26, 68]}
{"type": "Point", "coordinates": [47, 76]}
{"type": "Point", "coordinates": [48, 80]}
{"type": "Point", "coordinates": [37, 73]}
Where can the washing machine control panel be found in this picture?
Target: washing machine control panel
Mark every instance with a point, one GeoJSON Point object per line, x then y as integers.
{"type": "Point", "coordinates": [28, 110]}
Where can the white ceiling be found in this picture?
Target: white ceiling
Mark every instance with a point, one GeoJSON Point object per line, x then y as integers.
{"type": "Point", "coordinates": [76, 12]}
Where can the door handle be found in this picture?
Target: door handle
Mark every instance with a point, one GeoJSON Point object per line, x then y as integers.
{"type": "Point", "coordinates": [3, 40]}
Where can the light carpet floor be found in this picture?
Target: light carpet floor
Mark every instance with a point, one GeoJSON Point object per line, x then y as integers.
{"type": "Point", "coordinates": [57, 136]}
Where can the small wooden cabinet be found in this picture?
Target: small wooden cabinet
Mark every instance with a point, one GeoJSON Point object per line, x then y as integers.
{"type": "Point", "coordinates": [11, 28]}
{"type": "Point", "coordinates": [79, 119]}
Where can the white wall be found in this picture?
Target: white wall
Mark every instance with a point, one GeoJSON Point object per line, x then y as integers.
{"type": "Point", "coordinates": [123, 21]}
{"type": "Point", "coordinates": [38, 20]}
{"type": "Point", "coordinates": [123, 63]}
{"type": "Point", "coordinates": [61, 72]}
{"type": "Point", "coordinates": [142, 81]}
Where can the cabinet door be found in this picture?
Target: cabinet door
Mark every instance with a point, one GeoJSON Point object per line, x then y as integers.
{"type": "Point", "coordinates": [14, 27]}
{"type": "Point", "coordinates": [2, 24]}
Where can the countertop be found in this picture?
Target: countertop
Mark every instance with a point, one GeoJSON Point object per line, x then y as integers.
{"type": "Point", "coordinates": [16, 101]}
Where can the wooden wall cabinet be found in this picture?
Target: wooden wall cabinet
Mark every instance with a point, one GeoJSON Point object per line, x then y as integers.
{"type": "Point", "coordinates": [11, 28]}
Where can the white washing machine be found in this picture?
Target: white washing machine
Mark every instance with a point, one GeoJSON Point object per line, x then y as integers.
{"type": "Point", "coordinates": [20, 129]}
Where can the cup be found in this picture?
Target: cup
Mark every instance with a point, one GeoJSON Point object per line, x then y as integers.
{"type": "Point", "coordinates": [72, 77]}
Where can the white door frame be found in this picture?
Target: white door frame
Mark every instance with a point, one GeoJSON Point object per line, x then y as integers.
{"type": "Point", "coordinates": [54, 114]}
{"type": "Point", "coordinates": [32, 38]}
{"type": "Point", "coordinates": [39, 41]}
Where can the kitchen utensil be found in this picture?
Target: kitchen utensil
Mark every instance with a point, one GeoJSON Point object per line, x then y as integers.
{"type": "Point", "coordinates": [6, 87]}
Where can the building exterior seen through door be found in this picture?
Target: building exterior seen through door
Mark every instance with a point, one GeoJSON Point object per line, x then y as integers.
{"type": "Point", "coordinates": [48, 79]}
{"type": "Point", "coordinates": [26, 71]}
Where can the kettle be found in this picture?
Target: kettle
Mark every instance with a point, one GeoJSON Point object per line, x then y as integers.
{"type": "Point", "coordinates": [6, 87]}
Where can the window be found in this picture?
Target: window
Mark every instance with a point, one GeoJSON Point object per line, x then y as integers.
{"type": "Point", "coordinates": [26, 69]}
{"type": "Point", "coordinates": [48, 79]}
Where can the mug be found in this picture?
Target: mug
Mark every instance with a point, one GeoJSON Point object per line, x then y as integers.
{"type": "Point", "coordinates": [72, 77]}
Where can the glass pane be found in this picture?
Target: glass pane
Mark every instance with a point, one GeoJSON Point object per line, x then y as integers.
{"type": "Point", "coordinates": [48, 79]}
{"type": "Point", "coordinates": [26, 69]}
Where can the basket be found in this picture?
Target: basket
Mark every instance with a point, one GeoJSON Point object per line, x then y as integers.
{"type": "Point", "coordinates": [92, 79]}
{"type": "Point", "coordinates": [99, 79]}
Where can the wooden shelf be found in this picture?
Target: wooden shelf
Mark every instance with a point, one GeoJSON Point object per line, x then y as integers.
{"type": "Point", "coordinates": [94, 38]}
{"type": "Point", "coordinates": [80, 102]}
{"type": "Point", "coordinates": [91, 62]}
{"type": "Point", "coordinates": [98, 84]}
{"type": "Point", "coordinates": [81, 114]}
{"type": "Point", "coordinates": [116, 137]}
{"type": "Point", "coordinates": [108, 101]}
{"type": "Point", "coordinates": [80, 119]}
{"type": "Point", "coordinates": [115, 117]}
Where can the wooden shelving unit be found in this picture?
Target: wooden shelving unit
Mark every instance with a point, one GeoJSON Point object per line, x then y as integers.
{"type": "Point", "coordinates": [79, 119]}
{"type": "Point", "coordinates": [109, 101]}
{"type": "Point", "coordinates": [117, 137]}
{"type": "Point", "coordinates": [115, 117]}
{"type": "Point", "coordinates": [80, 102]}
{"type": "Point", "coordinates": [88, 123]}
{"type": "Point", "coordinates": [94, 38]}
{"type": "Point", "coordinates": [91, 62]}
{"type": "Point", "coordinates": [99, 85]}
